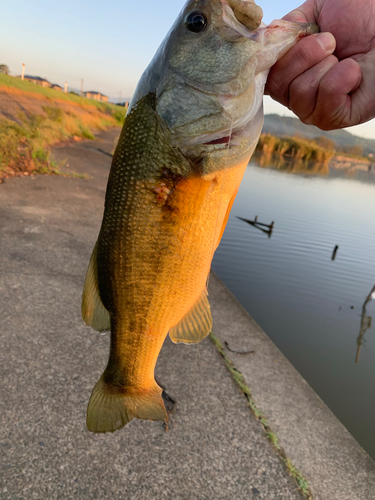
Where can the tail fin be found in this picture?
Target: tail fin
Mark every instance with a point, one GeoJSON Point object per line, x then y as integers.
{"type": "Point", "coordinates": [109, 409]}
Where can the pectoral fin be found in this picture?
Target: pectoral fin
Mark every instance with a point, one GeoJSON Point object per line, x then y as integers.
{"type": "Point", "coordinates": [94, 313]}
{"type": "Point", "coordinates": [224, 225]}
{"type": "Point", "coordinates": [195, 325]}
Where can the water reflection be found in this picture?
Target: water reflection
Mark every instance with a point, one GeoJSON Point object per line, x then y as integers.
{"type": "Point", "coordinates": [291, 165]}
{"type": "Point", "coordinates": [336, 168]}
{"type": "Point", "coordinates": [260, 225]}
{"type": "Point", "coordinates": [365, 324]}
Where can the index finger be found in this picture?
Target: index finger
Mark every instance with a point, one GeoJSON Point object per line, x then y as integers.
{"type": "Point", "coordinates": [305, 13]}
{"type": "Point", "coordinates": [303, 56]}
{"type": "Point", "coordinates": [296, 16]}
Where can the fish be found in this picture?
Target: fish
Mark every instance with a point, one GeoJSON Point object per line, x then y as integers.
{"type": "Point", "coordinates": [190, 130]}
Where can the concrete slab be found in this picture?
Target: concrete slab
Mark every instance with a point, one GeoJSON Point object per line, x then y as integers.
{"type": "Point", "coordinates": [49, 363]}
{"type": "Point", "coordinates": [335, 465]}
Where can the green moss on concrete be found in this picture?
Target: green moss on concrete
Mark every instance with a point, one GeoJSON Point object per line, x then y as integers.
{"type": "Point", "coordinates": [301, 481]}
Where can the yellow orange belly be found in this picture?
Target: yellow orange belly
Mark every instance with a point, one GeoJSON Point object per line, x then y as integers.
{"type": "Point", "coordinates": [202, 207]}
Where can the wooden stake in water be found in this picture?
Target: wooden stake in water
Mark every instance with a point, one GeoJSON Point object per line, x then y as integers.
{"type": "Point", "coordinates": [335, 252]}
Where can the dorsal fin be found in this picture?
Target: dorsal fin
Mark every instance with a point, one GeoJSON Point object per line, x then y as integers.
{"type": "Point", "coordinates": [94, 313]}
{"type": "Point", "coordinates": [195, 325]}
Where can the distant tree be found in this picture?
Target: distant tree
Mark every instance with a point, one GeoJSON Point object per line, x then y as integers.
{"type": "Point", "coordinates": [72, 92]}
{"type": "Point", "coordinates": [4, 69]}
{"type": "Point", "coordinates": [325, 142]}
{"type": "Point", "coordinates": [356, 150]}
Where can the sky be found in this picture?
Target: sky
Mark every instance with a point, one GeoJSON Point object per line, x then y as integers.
{"type": "Point", "coordinates": [108, 44]}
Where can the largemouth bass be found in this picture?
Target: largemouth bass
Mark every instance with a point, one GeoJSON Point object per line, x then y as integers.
{"type": "Point", "coordinates": [191, 128]}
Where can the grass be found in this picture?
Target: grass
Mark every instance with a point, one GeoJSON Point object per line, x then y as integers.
{"type": "Point", "coordinates": [303, 156]}
{"type": "Point", "coordinates": [301, 481]}
{"type": "Point", "coordinates": [49, 117]}
{"type": "Point", "coordinates": [292, 166]}
{"type": "Point", "coordinates": [302, 150]}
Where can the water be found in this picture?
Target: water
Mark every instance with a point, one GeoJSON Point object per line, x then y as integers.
{"type": "Point", "coordinates": [308, 304]}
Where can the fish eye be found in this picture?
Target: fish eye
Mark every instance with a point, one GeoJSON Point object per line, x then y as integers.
{"type": "Point", "coordinates": [195, 21]}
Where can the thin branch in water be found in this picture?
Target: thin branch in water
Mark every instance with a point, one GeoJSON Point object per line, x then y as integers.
{"type": "Point", "coordinates": [365, 324]}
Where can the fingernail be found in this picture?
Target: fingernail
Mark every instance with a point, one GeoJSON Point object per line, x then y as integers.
{"type": "Point", "coordinates": [326, 41]}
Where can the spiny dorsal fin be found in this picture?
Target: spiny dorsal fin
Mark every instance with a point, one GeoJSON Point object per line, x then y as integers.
{"type": "Point", "coordinates": [195, 325]}
{"type": "Point", "coordinates": [94, 313]}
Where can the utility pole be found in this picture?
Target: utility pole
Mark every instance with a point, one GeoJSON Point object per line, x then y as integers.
{"type": "Point", "coordinates": [81, 86]}
{"type": "Point", "coordinates": [23, 71]}
{"type": "Point", "coordinates": [66, 87]}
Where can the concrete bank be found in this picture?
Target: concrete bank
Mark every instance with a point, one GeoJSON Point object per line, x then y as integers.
{"type": "Point", "coordinates": [215, 447]}
{"type": "Point", "coordinates": [321, 448]}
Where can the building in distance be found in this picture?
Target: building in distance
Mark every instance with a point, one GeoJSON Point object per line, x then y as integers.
{"type": "Point", "coordinates": [56, 86]}
{"type": "Point", "coordinates": [38, 81]}
{"type": "Point", "coordinates": [98, 96]}
{"type": "Point", "coordinates": [42, 82]}
{"type": "Point", "coordinates": [91, 94]}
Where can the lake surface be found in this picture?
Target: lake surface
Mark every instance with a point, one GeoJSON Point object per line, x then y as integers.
{"type": "Point", "coordinates": [309, 304]}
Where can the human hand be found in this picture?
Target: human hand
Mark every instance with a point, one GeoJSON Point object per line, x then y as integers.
{"type": "Point", "coordinates": [329, 81]}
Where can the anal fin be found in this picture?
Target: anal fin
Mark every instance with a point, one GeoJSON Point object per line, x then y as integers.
{"type": "Point", "coordinates": [94, 313]}
{"type": "Point", "coordinates": [195, 325]}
